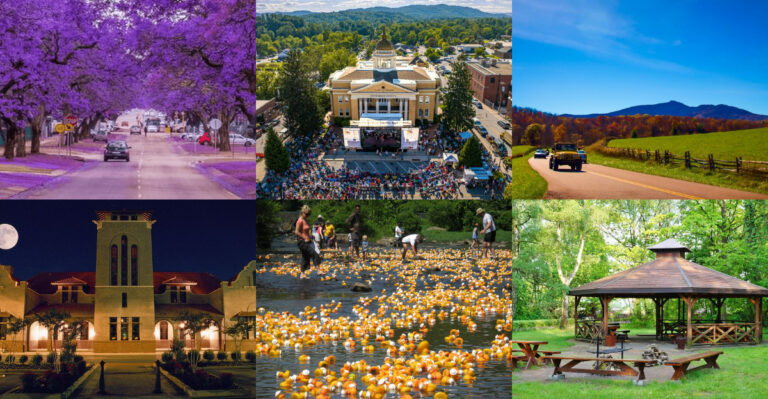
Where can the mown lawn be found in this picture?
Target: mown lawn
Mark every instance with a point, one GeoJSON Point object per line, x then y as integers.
{"type": "Point", "coordinates": [743, 374]}
{"type": "Point", "coordinates": [749, 144]}
{"type": "Point", "coordinates": [722, 179]}
{"type": "Point", "coordinates": [521, 149]}
{"type": "Point", "coordinates": [526, 183]}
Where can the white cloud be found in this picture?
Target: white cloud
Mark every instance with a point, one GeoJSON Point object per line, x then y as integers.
{"type": "Point", "coordinates": [595, 29]}
{"type": "Point", "coordinates": [266, 6]}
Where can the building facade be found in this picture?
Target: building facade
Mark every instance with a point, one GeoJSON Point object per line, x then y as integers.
{"type": "Point", "coordinates": [125, 305]}
{"type": "Point", "coordinates": [385, 87]}
{"type": "Point", "coordinates": [491, 81]}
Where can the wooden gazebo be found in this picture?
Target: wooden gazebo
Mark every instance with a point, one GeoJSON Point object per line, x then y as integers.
{"type": "Point", "coordinates": [671, 276]}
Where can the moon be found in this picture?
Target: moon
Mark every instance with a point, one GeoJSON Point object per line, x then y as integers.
{"type": "Point", "coordinates": [8, 236]}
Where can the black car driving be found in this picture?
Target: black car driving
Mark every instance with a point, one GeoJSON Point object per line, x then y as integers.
{"type": "Point", "coordinates": [117, 150]}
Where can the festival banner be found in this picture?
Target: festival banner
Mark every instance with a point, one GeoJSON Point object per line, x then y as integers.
{"type": "Point", "coordinates": [409, 139]}
{"type": "Point", "coordinates": [352, 138]}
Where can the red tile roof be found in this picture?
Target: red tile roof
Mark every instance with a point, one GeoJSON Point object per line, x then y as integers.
{"type": "Point", "coordinates": [206, 282]}
{"type": "Point", "coordinates": [178, 281]}
{"type": "Point", "coordinates": [173, 310]}
{"type": "Point", "coordinates": [75, 310]}
{"type": "Point", "coordinates": [69, 281]}
{"type": "Point", "coordinates": [43, 283]}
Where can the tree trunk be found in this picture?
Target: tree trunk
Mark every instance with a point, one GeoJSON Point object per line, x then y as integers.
{"type": "Point", "coordinates": [10, 139]}
{"type": "Point", "coordinates": [223, 133]}
{"type": "Point", "coordinates": [21, 143]}
{"type": "Point", "coordinates": [37, 128]}
{"type": "Point", "coordinates": [564, 315]}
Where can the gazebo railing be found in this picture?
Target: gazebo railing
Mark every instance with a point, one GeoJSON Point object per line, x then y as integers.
{"type": "Point", "coordinates": [724, 333]}
{"type": "Point", "coordinates": [588, 330]}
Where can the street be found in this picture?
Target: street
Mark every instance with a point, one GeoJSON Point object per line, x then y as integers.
{"type": "Point", "coordinates": [155, 171]}
{"type": "Point", "coordinates": [601, 182]}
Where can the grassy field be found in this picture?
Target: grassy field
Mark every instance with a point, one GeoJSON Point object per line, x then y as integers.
{"type": "Point", "coordinates": [743, 373]}
{"type": "Point", "coordinates": [434, 235]}
{"type": "Point", "coordinates": [521, 149]}
{"type": "Point", "coordinates": [526, 183]}
{"type": "Point", "coordinates": [749, 144]}
{"type": "Point", "coordinates": [722, 179]}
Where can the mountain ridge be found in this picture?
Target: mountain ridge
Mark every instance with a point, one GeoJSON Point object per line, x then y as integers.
{"type": "Point", "coordinates": [417, 11]}
{"type": "Point", "coordinates": [676, 108]}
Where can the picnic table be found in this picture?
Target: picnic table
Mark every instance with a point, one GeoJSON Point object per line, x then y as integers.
{"type": "Point", "coordinates": [623, 367]}
{"type": "Point", "coordinates": [530, 352]}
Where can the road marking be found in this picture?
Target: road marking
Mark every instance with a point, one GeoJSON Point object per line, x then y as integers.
{"type": "Point", "coordinates": [634, 183]}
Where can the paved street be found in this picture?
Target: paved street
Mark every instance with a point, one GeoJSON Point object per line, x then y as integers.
{"type": "Point", "coordinates": [155, 171]}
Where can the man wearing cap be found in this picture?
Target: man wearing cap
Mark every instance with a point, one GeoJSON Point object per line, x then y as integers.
{"type": "Point", "coordinates": [488, 231]}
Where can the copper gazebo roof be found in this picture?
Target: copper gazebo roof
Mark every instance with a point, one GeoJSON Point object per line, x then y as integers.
{"type": "Point", "coordinates": [670, 274]}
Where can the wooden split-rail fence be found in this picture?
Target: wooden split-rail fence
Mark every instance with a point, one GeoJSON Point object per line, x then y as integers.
{"type": "Point", "coordinates": [737, 165]}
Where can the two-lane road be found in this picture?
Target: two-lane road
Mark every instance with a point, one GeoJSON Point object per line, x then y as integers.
{"type": "Point", "coordinates": [155, 171]}
{"type": "Point", "coordinates": [602, 182]}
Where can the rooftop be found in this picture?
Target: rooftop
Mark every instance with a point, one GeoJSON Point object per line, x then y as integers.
{"type": "Point", "coordinates": [501, 68]}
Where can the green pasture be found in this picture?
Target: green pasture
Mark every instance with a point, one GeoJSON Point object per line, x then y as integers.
{"type": "Point", "coordinates": [743, 374]}
{"type": "Point", "coordinates": [521, 149]}
{"type": "Point", "coordinates": [526, 183]}
{"type": "Point", "coordinates": [749, 144]}
{"type": "Point", "coordinates": [717, 178]}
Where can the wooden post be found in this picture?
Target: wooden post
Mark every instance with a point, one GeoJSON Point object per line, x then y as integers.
{"type": "Point", "coordinates": [576, 316]}
{"type": "Point", "coordinates": [656, 306]}
{"type": "Point", "coordinates": [605, 301]}
{"type": "Point", "coordinates": [758, 303]}
{"type": "Point", "coordinates": [689, 301]}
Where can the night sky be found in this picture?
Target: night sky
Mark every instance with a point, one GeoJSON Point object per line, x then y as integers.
{"type": "Point", "coordinates": [204, 236]}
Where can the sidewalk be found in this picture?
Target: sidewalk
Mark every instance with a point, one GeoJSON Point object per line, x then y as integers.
{"type": "Point", "coordinates": [127, 379]}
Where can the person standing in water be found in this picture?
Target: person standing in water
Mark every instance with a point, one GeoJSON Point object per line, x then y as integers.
{"type": "Point", "coordinates": [398, 236]}
{"type": "Point", "coordinates": [304, 236]}
{"type": "Point", "coordinates": [354, 221]}
{"type": "Point", "coordinates": [412, 241]}
{"type": "Point", "coordinates": [475, 241]}
{"type": "Point", "coordinates": [489, 231]}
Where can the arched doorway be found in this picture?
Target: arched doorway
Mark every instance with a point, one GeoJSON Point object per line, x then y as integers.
{"type": "Point", "coordinates": [163, 334]}
{"type": "Point", "coordinates": [38, 337]}
{"type": "Point", "coordinates": [210, 337]}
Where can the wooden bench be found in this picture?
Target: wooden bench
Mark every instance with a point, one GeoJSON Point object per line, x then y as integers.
{"type": "Point", "coordinates": [544, 353]}
{"type": "Point", "coordinates": [681, 364]}
{"type": "Point", "coordinates": [622, 364]}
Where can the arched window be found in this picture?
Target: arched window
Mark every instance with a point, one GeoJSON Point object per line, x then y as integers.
{"type": "Point", "coordinates": [134, 265]}
{"type": "Point", "coordinates": [113, 266]}
{"type": "Point", "coordinates": [124, 260]}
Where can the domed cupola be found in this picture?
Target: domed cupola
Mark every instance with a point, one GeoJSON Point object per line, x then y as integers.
{"type": "Point", "coordinates": [384, 53]}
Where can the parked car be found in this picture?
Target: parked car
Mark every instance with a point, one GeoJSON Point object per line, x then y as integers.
{"type": "Point", "coordinates": [477, 122]}
{"type": "Point", "coordinates": [153, 129]}
{"type": "Point", "coordinates": [124, 124]}
{"type": "Point", "coordinates": [239, 139]}
{"type": "Point", "coordinates": [583, 156]}
{"type": "Point", "coordinates": [100, 135]}
{"type": "Point", "coordinates": [190, 136]}
{"type": "Point", "coordinates": [483, 131]}
{"type": "Point", "coordinates": [541, 153]}
{"type": "Point", "coordinates": [204, 139]}
{"type": "Point", "coordinates": [504, 124]}
{"type": "Point", "coordinates": [117, 150]}
{"type": "Point", "coordinates": [135, 129]}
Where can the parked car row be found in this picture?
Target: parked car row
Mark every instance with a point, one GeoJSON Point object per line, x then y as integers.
{"type": "Point", "coordinates": [205, 139]}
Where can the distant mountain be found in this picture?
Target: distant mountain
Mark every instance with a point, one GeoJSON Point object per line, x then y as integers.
{"type": "Point", "coordinates": [675, 108]}
{"type": "Point", "coordinates": [416, 11]}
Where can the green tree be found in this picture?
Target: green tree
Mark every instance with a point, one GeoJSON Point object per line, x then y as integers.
{"type": "Point", "coordinates": [457, 100]}
{"type": "Point", "coordinates": [479, 52]}
{"type": "Point", "coordinates": [297, 92]}
{"type": "Point", "coordinates": [193, 324]}
{"type": "Point", "coordinates": [15, 325]}
{"type": "Point", "coordinates": [53, 320]}
{"type": "Point", "coordinates": [275, 155]}
{"type": "Point", "coordinates": [472, 153]}
{"type": "Point", "coordinates": [532, 134]}
{"type": "Point", "coordinates": [238, 332]}
{"type": "Point", "coordinates": [266, 84]}
{"type": "Point", "coordinates": [334, 61]}
{"type": "Point", "coordinates": [267, 222]}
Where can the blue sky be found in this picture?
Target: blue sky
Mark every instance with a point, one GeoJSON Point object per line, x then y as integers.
{"type": "Point", "coordinates": [580, 56]}
{"type": "Point", "coordinates": [263, 6]}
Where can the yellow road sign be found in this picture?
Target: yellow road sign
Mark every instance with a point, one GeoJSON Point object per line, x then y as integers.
{"type": "Point", "coordinates": [60, 128]}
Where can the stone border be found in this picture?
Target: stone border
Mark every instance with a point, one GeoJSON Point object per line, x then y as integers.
{"type": "Point", "coordinates": [15, 394]}
{"type": "Point", "coordinates": [193, 393]}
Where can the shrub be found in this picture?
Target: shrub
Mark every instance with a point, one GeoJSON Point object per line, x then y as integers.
{"type": "Point", "coordinates": [81, 366]}
{"type": "Point", "coordinates": [1, 357]}
{"type": "Point", "coordinates": [23, 359]}
{"type": "Point", "coordinates": [36, 360]}
{"type": "Point", "coordinates": [77, 359]}
{"type": "Point", "coordinates": [167, 357]}
{"type": "Point", "coordinates": [251, 356]}
{"type": "Point", "coordinates": [181, 357]}
{"type": "Point", "coordinates": [226, 380]}
{"type": "Point", "coordinates": [10, 359]}
{"type": "Point", "coordinates": [236, 355]}
{"type": "Point", "coordinates": [221, 356]}
{"type": "Point", "coordinates": [28, 381]}
{"type": "Point", "coordinates": [194, 356]}
{"type": "Point", "coordinates": [209, 355]}
{"type": "Point", "coordinates": [51, 358]}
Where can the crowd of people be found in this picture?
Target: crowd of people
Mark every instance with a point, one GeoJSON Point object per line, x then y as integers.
{"type": "Point", "coordinates": [310, 177]}
{"type": "Point", "coordinates": [311, 238]}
